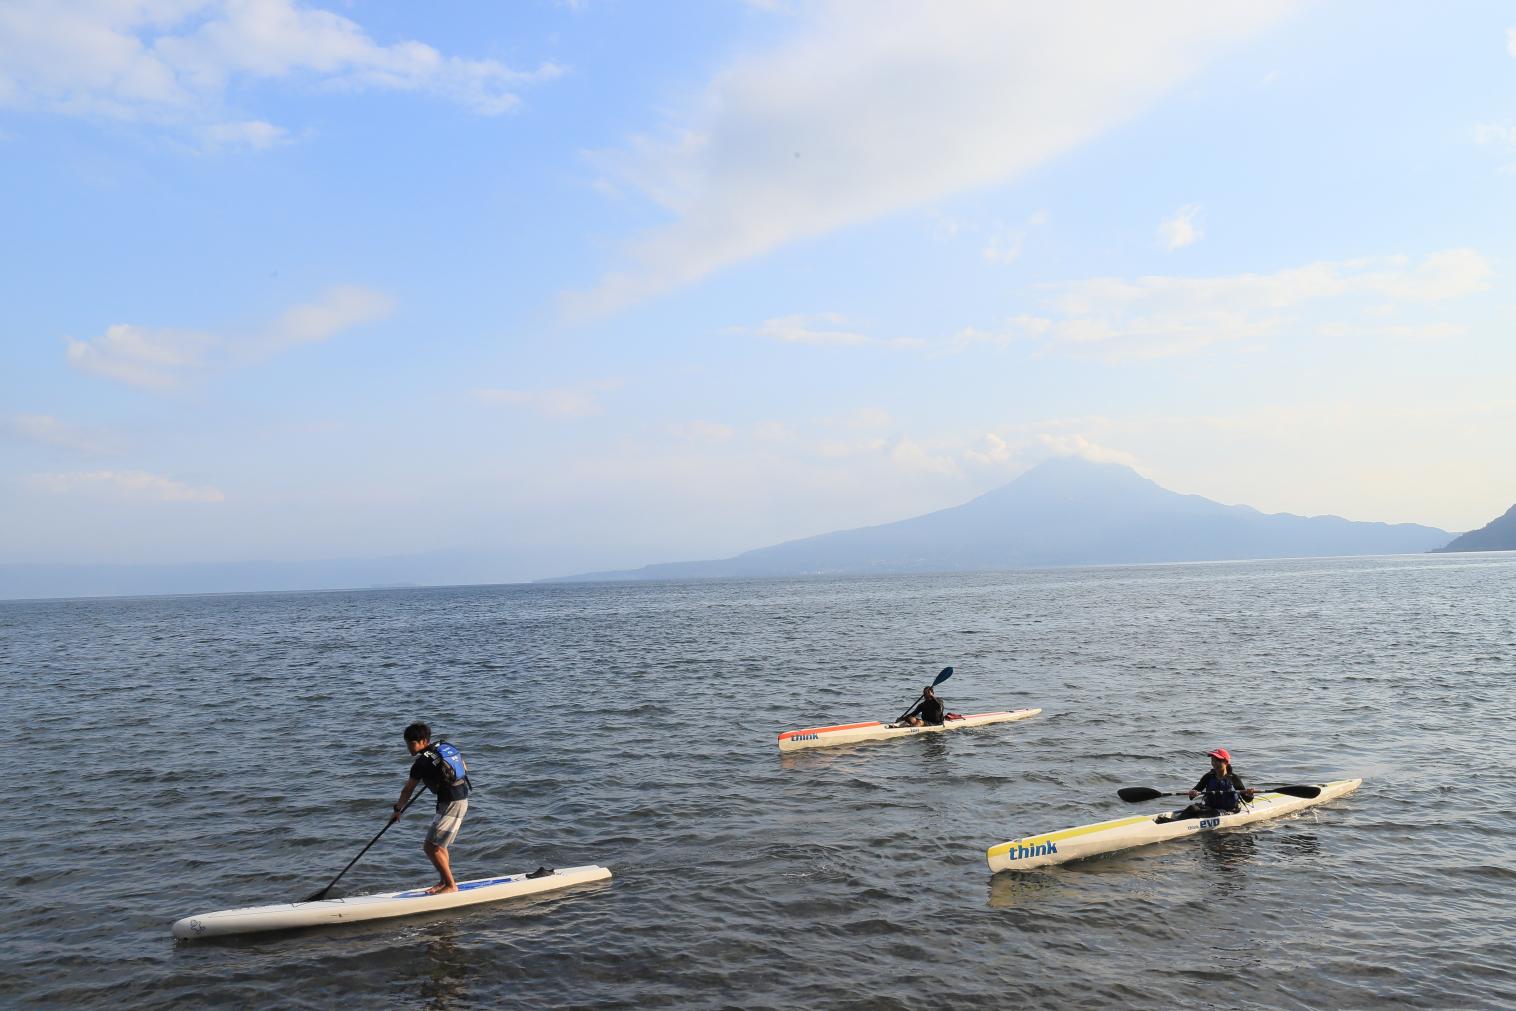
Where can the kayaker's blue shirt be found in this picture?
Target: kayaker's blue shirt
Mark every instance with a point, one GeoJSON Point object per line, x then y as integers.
{"type": "Point", "coordinates": [427, 768]}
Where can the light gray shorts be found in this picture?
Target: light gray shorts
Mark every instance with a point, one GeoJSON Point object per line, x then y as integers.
{"type": "Point", "coordinates": [445, 826]}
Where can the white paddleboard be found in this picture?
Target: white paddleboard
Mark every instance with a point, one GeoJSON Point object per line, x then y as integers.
{"type": "Point", "coordinates": [289, 915]}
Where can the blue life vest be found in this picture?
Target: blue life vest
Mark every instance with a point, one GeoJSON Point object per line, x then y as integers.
{"type": "Point", "coordinates": [1221, 794]}
{"type": "Point", "coordinates": [449, 761]}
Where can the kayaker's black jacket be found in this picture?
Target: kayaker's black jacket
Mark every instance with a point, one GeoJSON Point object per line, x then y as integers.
{"type": "Point", "coordinates": [930, 711]}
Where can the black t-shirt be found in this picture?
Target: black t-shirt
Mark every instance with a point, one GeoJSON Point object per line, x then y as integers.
{"type": "Point", "coordinates": [428, 769]}
{"type": "Point", "coordinates": [930, 711]}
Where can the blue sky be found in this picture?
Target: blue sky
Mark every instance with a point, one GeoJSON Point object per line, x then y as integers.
{"type": "Point", "coordinates": [618, 283]}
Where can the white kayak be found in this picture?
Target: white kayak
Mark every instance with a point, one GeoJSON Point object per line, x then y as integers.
{"type": "Point", "coordinates": [851, 733]}
{"type": "Point", "coordinates": [289, 915]}
{"type": "Point", "coordinates": [1142, 829]}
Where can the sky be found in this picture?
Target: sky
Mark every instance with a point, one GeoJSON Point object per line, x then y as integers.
{"type": "Point", "coordinates": [595, 284]}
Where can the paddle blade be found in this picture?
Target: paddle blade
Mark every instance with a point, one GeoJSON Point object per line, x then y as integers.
{"type": "Point", "coordinates": [1307, 792]}
{"type": "Point", "coordinates": [317, 896]}
{"type": "Point", "coordinates": [947, 672]}
{"type": "Point", "coordinates": [1137, 794]}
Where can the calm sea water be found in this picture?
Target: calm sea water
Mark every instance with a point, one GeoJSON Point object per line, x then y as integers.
{"type": "Point", "coordinates": [176, 755]}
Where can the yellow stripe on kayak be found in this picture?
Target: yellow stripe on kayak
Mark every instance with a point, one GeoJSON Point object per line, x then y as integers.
{"type": "Point", "coordinates": [1099, 826]}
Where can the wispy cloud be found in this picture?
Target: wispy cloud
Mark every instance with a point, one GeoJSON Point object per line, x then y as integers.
{"type": "Point", "coordinates": [252, 134]}
{"type": "Point", "coordinates": [825, 329]}
{"type": "Point", "coordinates": [162, 358]}
{"type": "Point", "coordinates": [1510, 41]}
{"type": "Point", "coordinates": [125, 484]}
{"type": "Point", "coordinates": [878, 105]}
{"type": "Point", "coordinates": [1182, 229]}
{"type": "Point", "coordinates": [561, 402]}
{"type": "Point", "coordinates": [1005, 244]}
{"type": "Point", "coordinates": [176, 61]}
{"type": "Point", "coordinates": [1116, 318]}
{"type": "Point", "coordinates": [1500, 134]}
{"type": "Point", "coordinates": [47, 430]}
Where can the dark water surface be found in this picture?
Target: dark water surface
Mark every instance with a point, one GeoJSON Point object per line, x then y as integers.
{"type": "Point", "coordinates": [171, 756]}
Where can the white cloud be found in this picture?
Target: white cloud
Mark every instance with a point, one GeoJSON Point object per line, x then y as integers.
{"type": "Point", "coordinates": [562, 402]}
{"type": "Point", "coordinates": [254, 134]}
{"type": "Point", "coordinates": [816, 328]}
{"type": "Point", "coordinates": [174, 61]}
{"type": "Point", "coordinates": [1182, 229]}
{"type": "Point", "coordinates": [1510, 41]}
{"type": "Point", "coordinates": [161, 358]}
{"type": "Point", "coordinates": [151, 358]}
{"type": "Point", "coordinates": [703, 431]}
{"type": "Point", "coordinates": [1018, 447]}
{"type": "Point", "coordinates": [338, 309]}
{"type": "Point", "coordinates": [1005, 244]}
{"type": "Point", "coordinates": [47, 430]}
{"type": "Point", "coordinates": [125, 484]}
{"type": "Point", "coordinates": [1116, 318]}
{"type": "Point", "coordinates": [878, 105]}
{"type": "Point", "coordinates": [824, 329]}
{"type": "Point", "coordinates": [1495, 133]}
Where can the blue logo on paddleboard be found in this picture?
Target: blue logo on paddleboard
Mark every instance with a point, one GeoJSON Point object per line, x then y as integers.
{"type": "Point", "coordinates": [805, 737]}
{"type": "Point", "coordinates": [1209, 822]}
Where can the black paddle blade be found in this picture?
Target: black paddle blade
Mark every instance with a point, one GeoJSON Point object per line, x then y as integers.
{"type": "Point", "coordinates": [1307, 792]}
{"type": "Point", "coordinates": [947, 672]}
{"type": "Point", "coordinates": [316, 896]}
{"type": "Point", "coordinates": [1137, 794]}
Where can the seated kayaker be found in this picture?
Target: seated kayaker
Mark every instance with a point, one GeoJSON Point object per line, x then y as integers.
{"type": "Point", "coordinates": [1222, 791]}
{"type": "Point", "coordinates": [928, 712]}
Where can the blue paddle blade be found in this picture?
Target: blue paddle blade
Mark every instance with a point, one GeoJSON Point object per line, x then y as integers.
{"type": "Point", "coordinates": [947, 672]}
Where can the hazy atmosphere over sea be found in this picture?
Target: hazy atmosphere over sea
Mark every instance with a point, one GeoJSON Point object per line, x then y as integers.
{"type": "Point", "coordinates": [533, 289]}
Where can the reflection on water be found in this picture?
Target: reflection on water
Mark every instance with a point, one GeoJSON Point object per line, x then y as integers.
{"type": "Point", "coordinates": [444, 971]}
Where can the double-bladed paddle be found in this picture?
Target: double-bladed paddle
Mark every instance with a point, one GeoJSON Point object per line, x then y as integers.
{"type": "Point", "coordinates": [318, 896]}
{"type": "Point", "coordinates": [947, 672]}
{"type": "Point", "coordinates": [1138, 794]}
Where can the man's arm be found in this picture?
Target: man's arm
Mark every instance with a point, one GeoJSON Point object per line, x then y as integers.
{"type": "Point", "coordinates": [1237, 782]}
{"type": "Point", "coordinates": [405, 798]}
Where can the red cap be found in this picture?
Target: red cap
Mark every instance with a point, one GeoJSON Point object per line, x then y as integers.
{"type": "Point", "coordinates": [1222, 754]}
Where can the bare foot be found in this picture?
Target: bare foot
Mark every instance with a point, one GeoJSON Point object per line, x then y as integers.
{"type": "Point", "coordinates": [441, 887]}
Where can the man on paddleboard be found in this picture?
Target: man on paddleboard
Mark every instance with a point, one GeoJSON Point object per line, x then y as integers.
{"type": "Point", "coordinates": [441, 768]}
{"type": "Point", "coordinates": [1222, 789]}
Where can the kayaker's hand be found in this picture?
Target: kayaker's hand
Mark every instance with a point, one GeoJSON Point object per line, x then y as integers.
{"type": "Point", "coordinates": [1248, 794]}
{"type": "Point", "coordinates": [398, 811]}
{"type": "Point", "coordinates": [1194, 794]}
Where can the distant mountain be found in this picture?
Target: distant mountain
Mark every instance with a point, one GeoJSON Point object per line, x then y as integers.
{"type": "Point", "coordinates": [1497, 535]}
{"type": "Point", "coordinates": [1066, 511]}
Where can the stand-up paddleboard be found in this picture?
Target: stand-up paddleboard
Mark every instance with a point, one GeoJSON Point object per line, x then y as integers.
{"type": "Point", "coordinates": [289, 915]}
{"type": "Point", "coordinates": [1140, 830]}
{"type": "Point", "coordinates": [852, 733]}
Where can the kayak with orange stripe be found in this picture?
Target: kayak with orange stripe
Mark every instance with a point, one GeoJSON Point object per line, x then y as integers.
{"type": "Point", "coordinates": [1141, 830]}
{"type": "Point", "coordinates": [852, 733]}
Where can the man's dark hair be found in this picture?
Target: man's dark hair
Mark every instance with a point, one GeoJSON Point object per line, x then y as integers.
{"type": "Point", "coordinates": [418, 731]}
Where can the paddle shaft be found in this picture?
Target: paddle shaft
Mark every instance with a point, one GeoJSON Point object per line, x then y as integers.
{"type": "Point", "coordinates": [1139, 794]}
{"type": "Point", "coordinates": [315, 896]}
